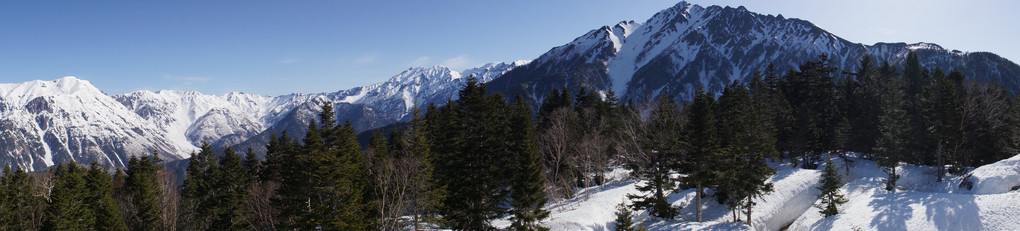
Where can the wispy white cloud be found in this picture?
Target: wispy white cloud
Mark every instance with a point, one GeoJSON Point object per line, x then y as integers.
{"type": "Point", "coordinates": [457, 63]}
{"type": "Point", "coordinates": [186, 80]}
{"type": "Point", "coordinates": [420, 61]}
{"type": "Point", "coordinates": [367, 58]}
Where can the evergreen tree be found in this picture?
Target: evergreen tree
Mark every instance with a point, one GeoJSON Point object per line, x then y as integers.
{"type": "Point", "coordinates": [746, 138]}
{"type": "Point", "coordinates": [230, 187]}
{"type": "Point", "coordinates": [893, 129]}
{"type": "Point", "coordinates": [253, 165]}
{"type": "Point", "coordinates": [944, 111]}
{"type": "Point", "coordinates": [17, 207]}
{"type": "Point", "coordinates": [662, 147]}
{"type": "Point", "coordinates": [142, 187]}
{"type": "Point", "coordinates": [200, 191]}
{"type": "Point", "coordinates": [426, 193]}
{"type": "Point", "coordinates": [830, 197]}
{"type": "Point", "coordinates": [528, 187]}
{"type": "Point", "coordinates": [68, 208]}
{"type": "Point", "coordinates": [704, 148]}
{"type": "Point", "coordinates": [811, 95]}
{"type": "Point", "coordinates": [471, 161]}
{"type": "Point", "coordinates": [100, 188]}
{"type": "Point", "coordinates": [916, 79]}
{"type": "Point", "coordinates": [862, 108]}
{"type": "Point", "coordinates": [625, 219]}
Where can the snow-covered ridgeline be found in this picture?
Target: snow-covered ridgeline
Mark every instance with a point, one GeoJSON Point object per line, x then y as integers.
{"type": "Point", "coordinates": [48, 122]}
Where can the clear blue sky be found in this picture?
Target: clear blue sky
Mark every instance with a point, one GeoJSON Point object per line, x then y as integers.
{"type": "Point", "coordinates": [278, 47]}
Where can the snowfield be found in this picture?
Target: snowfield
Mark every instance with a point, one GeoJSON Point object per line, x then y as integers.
{"type": "Point", "coordinates": [920, 203]}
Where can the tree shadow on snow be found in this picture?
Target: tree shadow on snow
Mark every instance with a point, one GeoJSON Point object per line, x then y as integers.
{"type": "Point", "coordinates": [893, 210]}
{"type": "Point", "coordinates": [953, 212]}
{"type": "Point", "coordinates": [946, 211]}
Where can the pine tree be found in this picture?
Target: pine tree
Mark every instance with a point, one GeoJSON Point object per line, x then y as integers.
{"type": "Point", "coordinates": [528, 186]}
{"type": "Point", "coordinates": [662, 147]}
{"type": "Point", "coordinates": [230, 187]}
{"type": "Point", "coordinates": [18, 202]}
{"type": "Point", "coordinates": [426, 193]}
{"type": "Point", "coordinates": [100, 188]}
{"type": "Point", "coordinates": [200, 192]}
{"type": "Point", "coordinates": [916, 79]}
{"type": "Point", "coordinates": [68, 208]}
{"type": "Point", "coordinates": [470, 164]}
{"type": "Point", "coordinates": [253, 165]}
{"type": "Point", "coordinates": [811, 95]}
{"type": "Point", "coordinates": [747, 139]}
{"type": "Point", "coordinates": [625, 219]}
{"type": "Point", "coordinates": [830, 197]}
{"type": "Point", "coordinates": [142, 187]}
{"type": "Point", "coordinates": [893, 121]}
{"type": "Point", "coordinates": [704, 147]}
{"type": "Point", "coordinates": [944, 111]}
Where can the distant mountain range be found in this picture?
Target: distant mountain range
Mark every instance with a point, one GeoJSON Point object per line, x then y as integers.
{"type": "Point", "coordinates": [46, 122]}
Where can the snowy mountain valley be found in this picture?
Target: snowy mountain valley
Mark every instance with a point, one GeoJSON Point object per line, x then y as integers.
{"type": "Point", "coordinates": [698, 118]}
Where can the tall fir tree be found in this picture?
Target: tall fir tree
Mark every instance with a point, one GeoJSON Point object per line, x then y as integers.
{"type": "Point", "coordinates": [200, 192]}
{"type": "Point", "coordinates": [662, 150]}
{"type": "Point", "coordinates": [703, 146]}
{"type": "Point", "coordinates": [943, 106]}
{"type": "Point", "coordinates": [230, 188]}
{"type": "Point", "coordinates": [426, 193]}
{"type": "Point", "coordinates": [68, 208]}
{"type": "Point", "coordinates": [528, 186]}
{"type": "Point", "coordinates": [99, 186]}
{"type": "Point", "coordinates": [17, 210]}
{"type": "Point", "coordinates": [143, 188]}
{"type": "Point", "coordinates": [747, 139]}
{"type": "Point", "coordinates": [893, 126]}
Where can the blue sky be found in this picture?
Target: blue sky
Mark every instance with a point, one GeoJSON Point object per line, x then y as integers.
{"type": "Point", "coordinates": [279, 47]}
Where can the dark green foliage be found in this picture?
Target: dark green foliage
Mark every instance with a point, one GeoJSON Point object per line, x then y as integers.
{"type": "Point", "coordinates": [893, 126]}
{"type": "Point", "coordinates": [812, 96]}
{"type": "Point", "coordinates": [99, 186]}
{"type": "Point", "coordinates": [747, 138]}
{"type": "Point", "coordinates": [625, 219]}
{"type": "Point", "coordinates": [68, 208]}
{"type": "Point", "coordinates": [663, 150]}
{"type": "Point", "coordinates": [470, 154]}
{"type": "Point", "coordinates": [916, 79]}
{"type": "Point", "coordinates": [231, 185]}
{"type": "Point", "coordinates": [143, 190]}
{"type": "Point", "coordinates": [528, 186]}
{"type": "Point", "coordinates": [704, 148]}
{"type": "Point", "coordinates": [16, 209]}
{"type": "Point", "coordinates": [944, 113]}
{"type": "Point", "coordinates": [859, 97]}
{"type": "Point", "coordinates": [200, 192]}
{"type": "Point", "coordinates": [830, 197]}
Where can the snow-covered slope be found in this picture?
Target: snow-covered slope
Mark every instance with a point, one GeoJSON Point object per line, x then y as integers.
{"type": "Point", "coordinates": [47, 122]}
{"type": "Point", "coordinates": [920, 203]}
{"type": "Point", "coordinates": [687, 45]}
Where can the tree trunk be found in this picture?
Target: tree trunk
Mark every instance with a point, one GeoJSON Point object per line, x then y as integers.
{"type": "Point", "coordinates": [941, 162]}
{"type": "Point", "coordinates": [697, 196]}
{"type": "Point", "coordinates": [748, 211]}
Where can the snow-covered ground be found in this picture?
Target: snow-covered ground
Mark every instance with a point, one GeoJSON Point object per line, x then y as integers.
{"type": "Point", "coordinates": [920, 202]}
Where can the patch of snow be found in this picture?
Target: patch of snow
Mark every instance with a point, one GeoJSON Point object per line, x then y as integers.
{"type": "Point", "coordinates": [998, 177]}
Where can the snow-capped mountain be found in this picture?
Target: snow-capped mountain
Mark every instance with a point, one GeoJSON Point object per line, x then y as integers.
{"type": "Point", "coordinates": [47, 122]}
{"type": "Point", "coordinates": [380, 104]}
{"type": "Point", "coordinates": [687, 45]}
